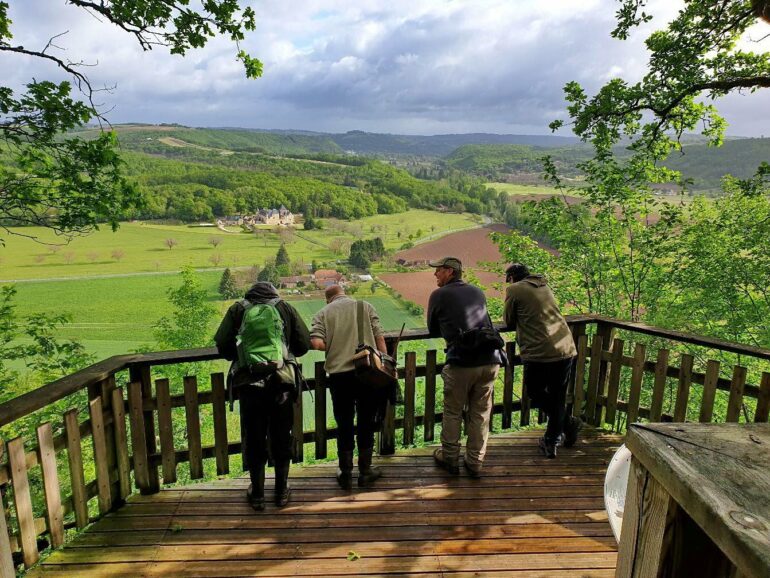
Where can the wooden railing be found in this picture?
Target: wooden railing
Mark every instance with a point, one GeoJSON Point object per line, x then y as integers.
{"type": "Point", "coordinates": [48, 486]}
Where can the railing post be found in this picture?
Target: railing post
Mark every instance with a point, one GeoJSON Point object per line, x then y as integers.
{"type": "Point", "coordinates": [77, 477]}
{"type": "Point", "coordinates": [763, 400]}
{"type": "Point", "coordinates": [166, 431]}
{"type": "Point", "coordinates": [508, 374]}
{"type": "Point", "coordinates": [7, 569]}
{"type": "Point", "coordinates": [298, 430]}
{"type": "Point", "coordinates": [219, 409]}
{"type": "Point", "coordinates": [142, 374]}
{"type": "Point", "coordinates": [17, 462]}
{"type": "Point", "coordinates": [320, 411]}
{"type": "Point", "coordinates": [607, 333]}
{"type": "Point", "coordinates": [578, 330]}
{"type": "Point", "coordinates": [47, 455]}
{"type": "Point", "coordinates": [193, 422]}
{"type": "Point", "coordinates": [410, 378]}
{"type": "Point", "coordinates": [429, 420]}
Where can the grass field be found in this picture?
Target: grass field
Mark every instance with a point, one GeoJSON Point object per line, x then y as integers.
{"type": "Point", "coordinates": [104, 311]}
{"type": "Point", "coordinates": [516, 189]}
{"type": "Point", "coordinates": [141, 247]}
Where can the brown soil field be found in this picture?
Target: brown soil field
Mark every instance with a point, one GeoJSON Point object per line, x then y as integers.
{"type": "Point", "coordinates": [469, 246]}
{"type": "Point", "coordinates": [416, 286]}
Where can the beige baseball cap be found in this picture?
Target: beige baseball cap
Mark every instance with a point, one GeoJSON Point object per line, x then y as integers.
{"type": "Point", "coordinates": [451, 262]}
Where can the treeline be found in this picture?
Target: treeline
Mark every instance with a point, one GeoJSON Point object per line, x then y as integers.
{"type": "Point", "coordinates": [703, 167]}
{"type": "Point", "coordinates": [494, 162]}
{"type": "Point", "coordinates": [208, 185]}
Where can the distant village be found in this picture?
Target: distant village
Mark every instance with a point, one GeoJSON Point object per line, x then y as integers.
{"type": "Point", "coordinates": [281, 216]}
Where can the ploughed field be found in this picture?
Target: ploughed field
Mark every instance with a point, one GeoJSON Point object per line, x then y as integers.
{"type": "Point", "coordinates": [472, 247]}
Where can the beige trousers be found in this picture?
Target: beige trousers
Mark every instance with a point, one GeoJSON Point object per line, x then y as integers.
{"type": "Point", "coordinates": [470, 387]}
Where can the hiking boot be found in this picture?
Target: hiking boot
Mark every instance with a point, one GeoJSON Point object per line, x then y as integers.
{"type": "Point", "coordinates": [472, 472]}
{"type": "Point", "coordinates": [367, 474]}
{"type": "Point", "coordinates": [452, 468]}
{"type": "Point", "coordinates": [282, 489]}
{"type": "Point", "coordinates": [345, 471]}
{"type": "Point", "coordinates": [571, 430]}
{"type": "Point", "coordinates": [548, 449]}
{"type": "Point", "coordinates": [256, 492]}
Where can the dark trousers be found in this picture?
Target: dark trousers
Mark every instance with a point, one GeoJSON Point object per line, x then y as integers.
{"type": "Point", "coordinates": [547, 384]}
{"type": "Point", "coordinates": [351, 397]}
{"type": "Point", "coordinates": [263, 418]}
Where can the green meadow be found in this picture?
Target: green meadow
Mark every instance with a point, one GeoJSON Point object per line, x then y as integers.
{"type": "Point", "coordinates": [514, 189]}
{"type": "Point", "coordinates": [144, 247]}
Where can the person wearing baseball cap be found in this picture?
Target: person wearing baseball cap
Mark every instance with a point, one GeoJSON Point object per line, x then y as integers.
{"type": "Point", "coordinates": [457, 312]}
{"type": "Point", "coordinates": [547, 351]}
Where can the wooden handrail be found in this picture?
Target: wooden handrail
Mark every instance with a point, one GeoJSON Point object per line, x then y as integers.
{"type": "Point", "coordinates": [45, 395]}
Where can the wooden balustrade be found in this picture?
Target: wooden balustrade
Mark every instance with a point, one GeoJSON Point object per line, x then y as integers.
{"type": "Point", "coordinates": [614, 377]}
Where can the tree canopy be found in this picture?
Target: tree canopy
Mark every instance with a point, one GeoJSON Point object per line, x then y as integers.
{"type": "Point", "coordinates": [68, 183]}
{"type": "Point", "coordinates": [624, 252]}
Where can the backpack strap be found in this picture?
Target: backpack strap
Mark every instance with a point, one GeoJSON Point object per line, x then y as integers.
{"type": "Point", "coordinates": [360, 321]}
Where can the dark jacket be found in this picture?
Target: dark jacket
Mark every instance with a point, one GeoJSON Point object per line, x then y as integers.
{"type": "Point", "coordinates": [295, 331]}
{"type": "Point", "coordinates": [541, 331]}
{"type": "Point", "coordinates": [458, 307]}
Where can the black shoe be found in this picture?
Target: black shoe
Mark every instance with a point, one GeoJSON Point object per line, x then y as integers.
{"type": "Point", "coordinates": [256, 501]}
{"type": "Point", "coordinates": [438, 456]}
{"type": "Point", "coordinates": [367, 474]}
{"type": "Point", "coordinates": [282, 489]}
{"type": "Point", "coordinates": [345, 470]}
{"type": "Point", "coordinates": [471, 472]}
{"type": "Point", "coordinates": [571, 430]}
{"type": "Point", "coordinates": [548, 449]}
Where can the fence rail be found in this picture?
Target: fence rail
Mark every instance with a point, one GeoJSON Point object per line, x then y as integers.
{"type": "Point", "coordinates": [47, 485]}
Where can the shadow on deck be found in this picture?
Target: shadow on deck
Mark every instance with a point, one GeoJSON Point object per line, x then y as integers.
{"type": "Point", "coordinates": [527, 517]}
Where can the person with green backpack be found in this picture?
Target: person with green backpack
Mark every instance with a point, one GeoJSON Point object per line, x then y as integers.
{"type": "Point", "coordinates": [263, 335]}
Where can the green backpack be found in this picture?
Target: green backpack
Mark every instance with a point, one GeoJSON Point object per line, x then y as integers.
{"type": "Point", "coordinates": [260, 341]}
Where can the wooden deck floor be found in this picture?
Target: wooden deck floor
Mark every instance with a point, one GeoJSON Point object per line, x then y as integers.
{"type": "Point", "coordinates": [527, 517]}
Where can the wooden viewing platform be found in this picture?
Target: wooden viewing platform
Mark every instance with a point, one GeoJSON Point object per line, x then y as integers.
{"type": "Point", "coordinates": [527, 517]}
{"type": "Point", "coordinates": [76, 453]}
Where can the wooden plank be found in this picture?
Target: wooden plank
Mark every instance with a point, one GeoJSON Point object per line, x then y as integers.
{"type": "Point", "coordinates": [121, 443]}
{"type": "Point", "coordinates": [580, 375]}
{"type": "Point", "coordinates": [23, 501]}
{"type": "Point", "coordinates": [616, 364]}
{"type": "Point", "coordinates": [320, 411]}
{"type": "Point", "coordinates": [138, 441]}
{"type": "Point", "coordinates": [219, 409]}
{"type": "Point", "coordinates": [7, 569]}
{"type": "Point", "coordinates": [53, 509]}
{"type": "Point", "coordinates": [193, 421]}
{"type": "Point", "coordinates": [763, 402]}
{"type": "Point", "coordinates": [593, 378]}
{"type": "Point", "coordinates": [683, 390]}
{"type": "Point", "coordinates": [100, 455]}
{"type": "Point", "coordinates": [166, 431]}
{"type": "Point", "coordinates": [735, 403]}
{"type": "Point", "coordinates": [429, 421]}
{"type": "Point", "coordinates": [508, 375]}
{"type": "Point", "coordinates": [641, 550]}
{"type": "Point", "coordinates": [410, 365]}
{"type": "Point", "coordinates": [637, 375]}
{"type": "Point", "coordinates": [709, 391]}
{"type": "Point", "coordinates": [143, 374]}
{"type": "Point", "coordinates": [659, 387]}
{"type": "Point", "coordinates": [75, 459]}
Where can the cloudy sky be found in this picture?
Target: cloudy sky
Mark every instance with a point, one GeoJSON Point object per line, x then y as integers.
{"type": "Point", "coordinates": [398, 66]}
